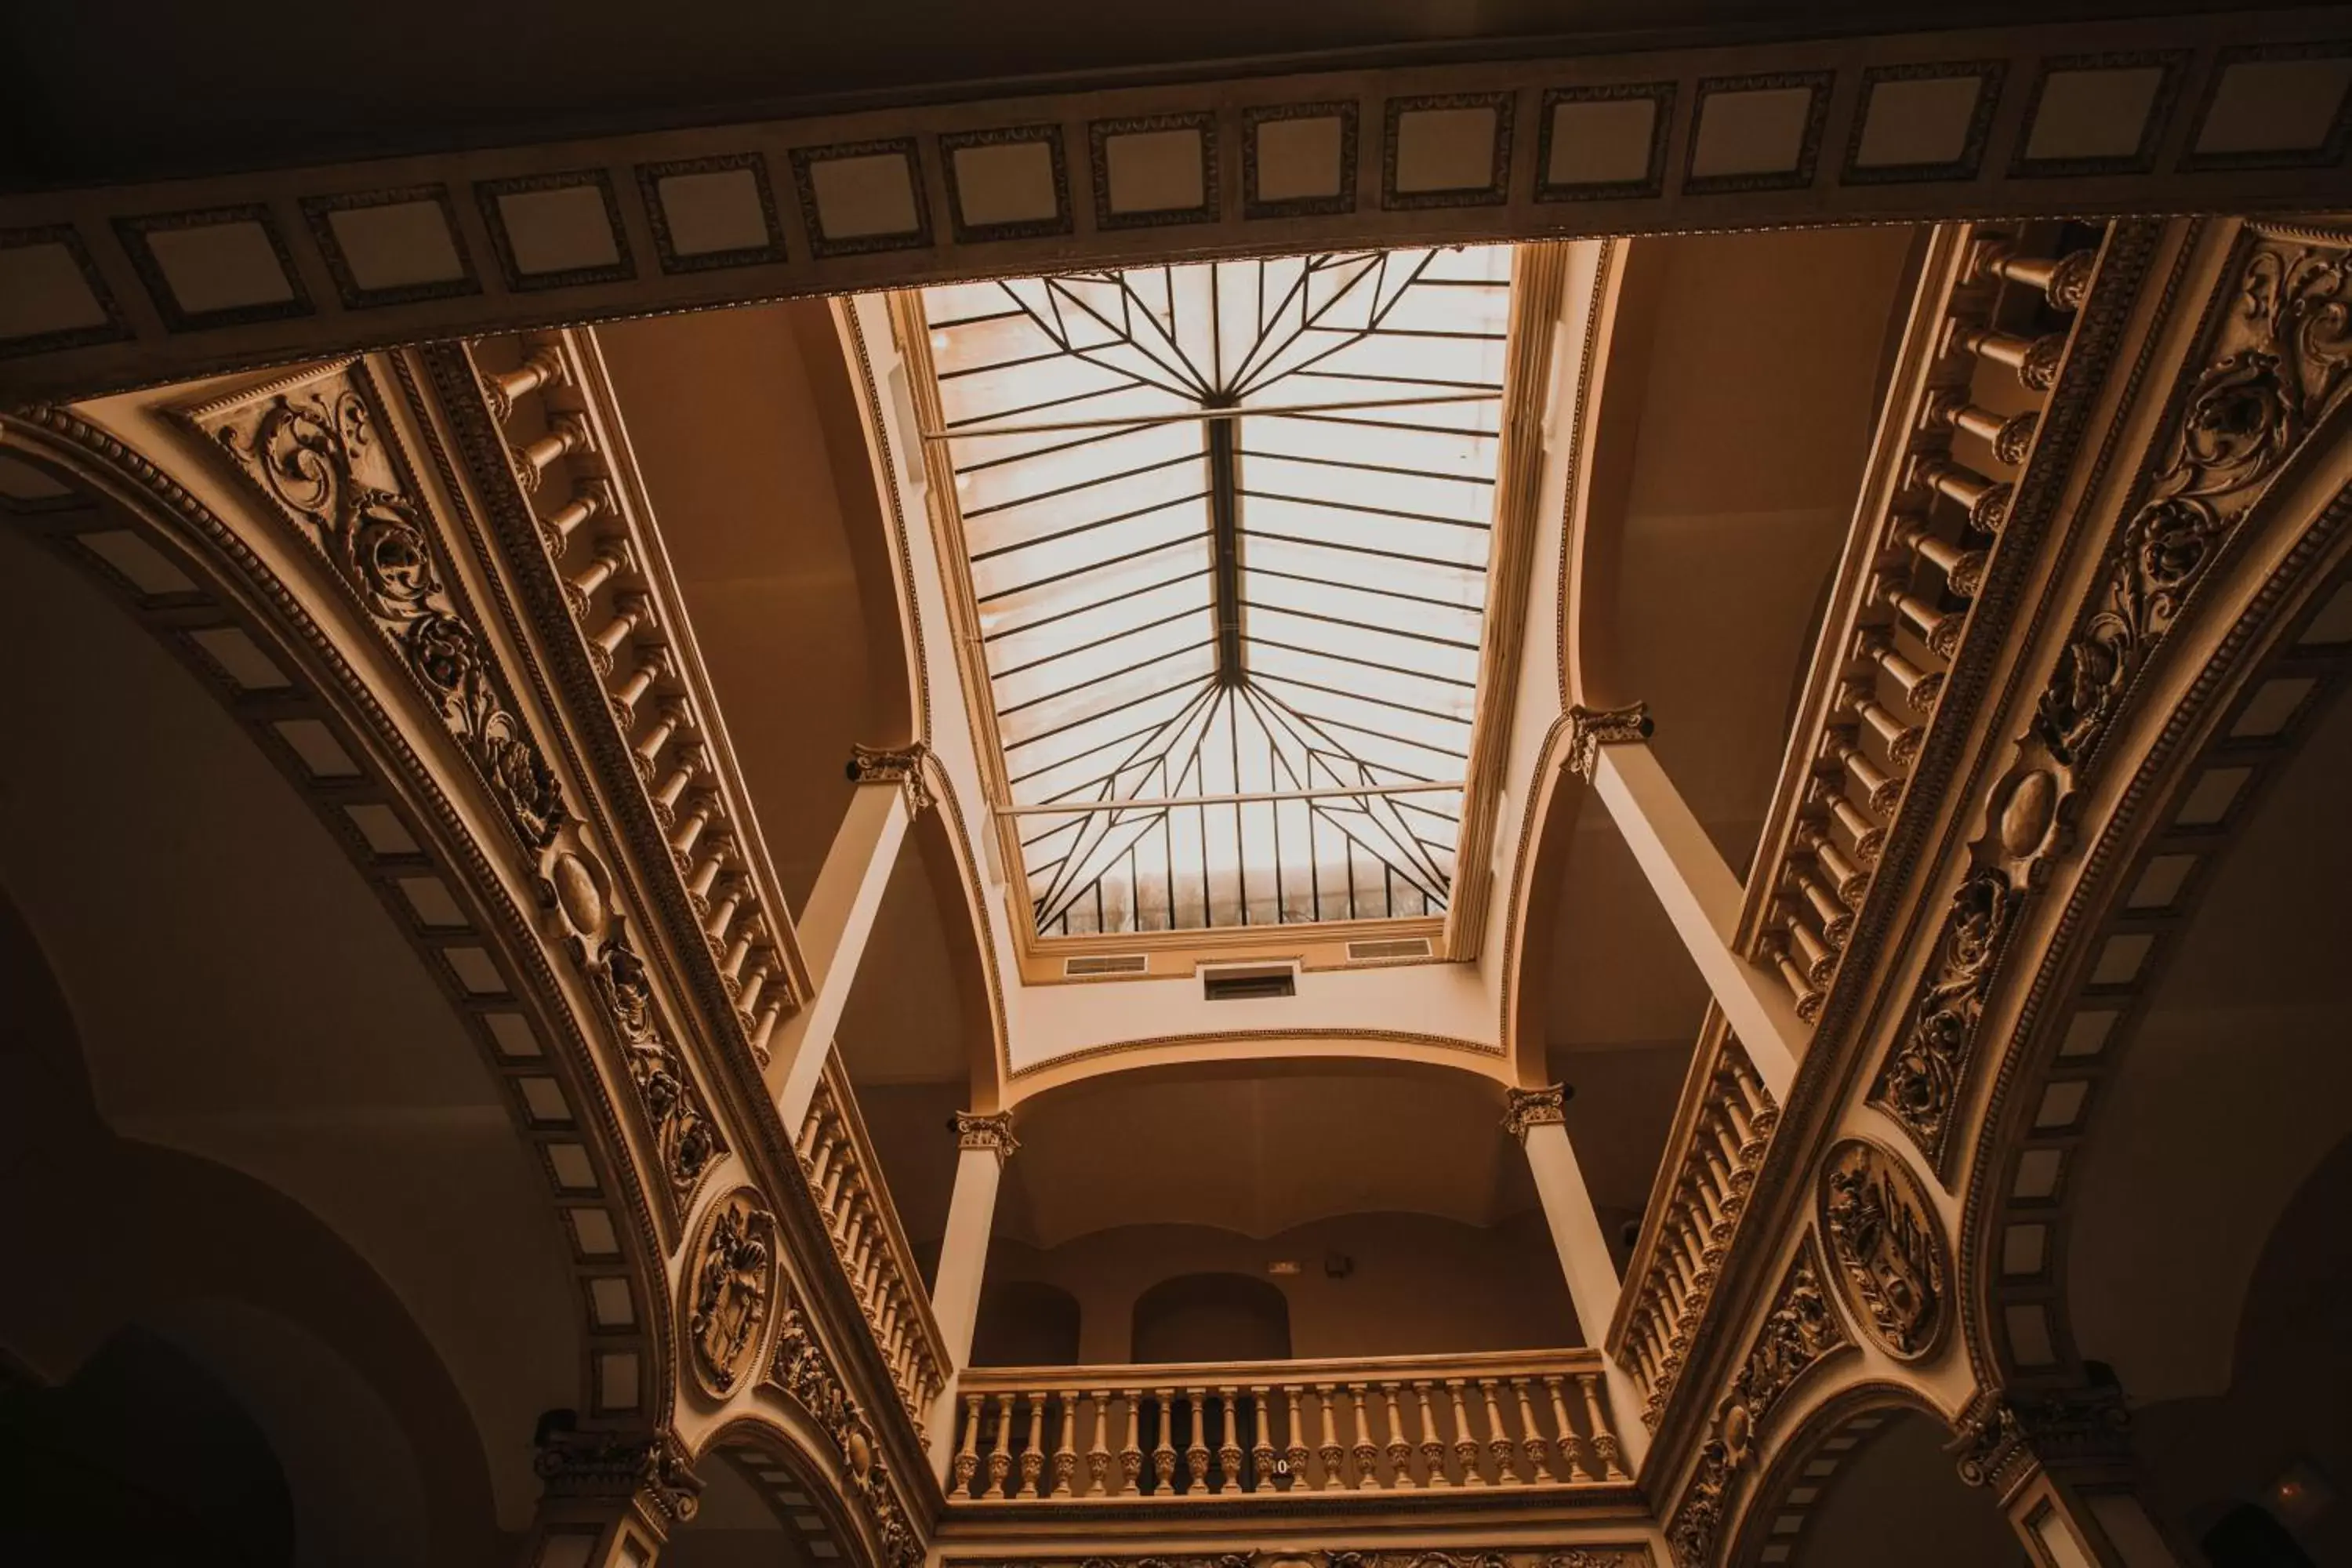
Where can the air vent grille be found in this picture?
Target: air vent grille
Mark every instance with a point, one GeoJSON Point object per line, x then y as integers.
{"type": "Point", "coordinates": [1105, 964]}
{"type": "Point", "coordinates": [1242, 982]}
{"type": "Point", "coordinates": [1388, 948]}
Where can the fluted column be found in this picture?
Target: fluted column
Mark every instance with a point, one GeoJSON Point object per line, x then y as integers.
{"type": "Point", "coordinates": [1686, 872]}
{"type": "Point", "coordinates": [982, 1145]}
{"type": "Point", "coordinates": [1537, 1117]}
{"type": "Point", "coordinates": [839, 916]}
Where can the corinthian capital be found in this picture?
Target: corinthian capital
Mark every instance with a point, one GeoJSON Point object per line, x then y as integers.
{"type": "Point", "coordinates": [876, 765]}
{"type": "Point", "coordinates": [974, 1130]}
{"type": "Point", "coordinates": [1525, 1108]}
{"type": "Point", "coordinates": [1589, 729]}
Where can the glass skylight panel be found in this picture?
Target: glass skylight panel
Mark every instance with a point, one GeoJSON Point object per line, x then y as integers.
{"type": "Point", "coordinates": [1227, 527]}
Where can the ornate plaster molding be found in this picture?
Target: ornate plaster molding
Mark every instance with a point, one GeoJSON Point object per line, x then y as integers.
{"type": "Point", "coordinates": [2005, 1437]}
{"type": "Point", "coordinates": [1800, 1329]}
{"type": "Point", "coordinates": [1609, 1555]}
{"type": "Point", "coordinates": [803, 1370]}
{"type": "Point", "coordinates": [974, 1130]}
{"type": "Point", "coordinates": [648, 1471]}
{"type": "Point", "coordinates": [903, 765]}
{"type": "Point", "coordinates": [730, 1287]}
{"type": "Point", "coordinates": [1888, 1246]}
{"type": "Point", "coordinates": [1525, 1108]}
{"type": "Point", "coordinates": [1589, 729]}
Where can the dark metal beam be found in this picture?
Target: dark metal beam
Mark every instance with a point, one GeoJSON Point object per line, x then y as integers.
{"type": "Point", "coordinates": [1220, 437]}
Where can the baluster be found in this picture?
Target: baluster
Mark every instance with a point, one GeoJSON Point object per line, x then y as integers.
{"type": "Point", "coordinates": [1465, 1442]}
{"type": "Point", "coordinates": [2009, 438]}
{"type": "Point", "coordinates": [652, 665]}
{"type": "Point", "coordinates": [1163, 1456]}
{"type": "Point", "coordinates": [1000, 1458]}
{"type": "Point", "coordinates": [587, 501]}
{"type": "Point", "coordinates": [1196, 1451]}
{"type": "Point", "coordinates": [755, 980]}
{"type": "Point", "coordinates": [1535, 1452]}
{"type": "Point", "coordinates": [1850, 881]}
{"type": "Point", "coordinates": [1828, 795]}
{"type": "Point", "coordinates": [706, 876]}
{"type": "Point", "coordinates": [1033, 1454]}
{"type": "Point", "coordinates": [1130, 1453]}
{"type": "Point", "coordinates": [1433, 1451]}
{"type": "Point", "coordinates": [1714, 1153]}
{"type": "Point", "coordinates": [1334, 1457]}
{"type": "Point", "coordinates": [1400, 1446]}
{"type": "Point", "coordinates": [1294, 1453]}
{"type": "Point", "coordinates": [565, 433]}
{"type": "Point", "coordinates": [1065, 1453]}
{"type": "Point", "coordinates": [1939, 631]}
{"type": "Point", "coordinates": [631, 611]}
{"type": "Point", "coordinates": [1819, 961]}
{"type": "Point", "coordinates": [1836, 921]}
{"type": "Point", "coordinates": [2064, 280]}
{"type": "Point", "coordinates": [1963, 569]}
{"type": "Point", "coordinates": [502, 389]}
{"type": "Point", "coordinates": [1367, 1453]}
{"type": "Point", "coordinates": [723, 915]}
{"type": "Point", "coordinates": [689, 828]}
{"type": "Point", "coordinates": [1856, 701]}
{"type": "Point", "coordinates": [1229, 1451]}
{"type": "Point", "coordinates": [2036, 360]}
{"type": "Point", "coordinates": [1571, 1462]}
{"type": "Point", "coordinates": [1098, 1448]}
{"type": "Point", "coordinates": [646, 753]}
{"type": "Point", "coordinates": [665, 797]}
{"type": "Point", "coordinates": [1838, 750]}
{"type": "Point", "coordinates": [967, 1459]}
{"type": "Point", "coordinates": [1262, 1447]}
{"type": "Point", "coordinates": [612, 557]}
{"type": "Point", "coordinates": [1920, 687]}
{"type": "Point", "coordinates": [1499, 1446]}
{"type": "Point", "coordinates": [730, 966]}
{"type": "Point", "coordinates": [1604, 1440]}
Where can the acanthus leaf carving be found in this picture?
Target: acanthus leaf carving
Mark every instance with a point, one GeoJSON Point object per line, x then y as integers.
{"type": "Point", "coordinates": [685, 1133]}
{"type": "Point", "coordinates": [1798, 1330]}
{"type": "Point", "coordinates": [803, 1369]}
{"type": "Point", "coordinates": [650, 1467]}
{"type": "Point", "coordinates": [1918, 1085]}
{"type": "Point", "coordinates": [2003, 1437]}
{"type": "Point", "coordinates": [315, 452]}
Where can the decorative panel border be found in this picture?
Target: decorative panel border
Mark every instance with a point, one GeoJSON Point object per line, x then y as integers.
{"type": "Point", "coordinates": [66, 355]}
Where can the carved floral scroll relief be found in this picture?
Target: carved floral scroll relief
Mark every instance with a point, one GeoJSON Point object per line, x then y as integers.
{"type": "Point", "coordinates": [1800, 1329]}
{"type": "Point", "coordinates": [2271, 371]}
{"type": "Point", "coordinates": [319, 452]}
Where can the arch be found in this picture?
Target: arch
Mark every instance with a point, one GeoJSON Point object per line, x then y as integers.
{"type": "Point", "coordinates": [1211, 1317]}
{"type": "Point", "coordinates": [191, 567]}
{"type": "Point", "coordinates": [772, 1456]}
{"type": "Point", "coordinates": [1813, 1461]}
{"type": "Point", "coordinates": [938, 839]}
{"type": "Point", "coordinates": [1025, 1322]}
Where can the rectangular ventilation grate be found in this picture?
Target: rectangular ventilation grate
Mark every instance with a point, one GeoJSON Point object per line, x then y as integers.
{"type": "Point", "coordinates": [1249, 982]}
{"type": "Point", "coordinates": [1105, 964]}
{"type": "Point", "coordinates": [1388, 947]}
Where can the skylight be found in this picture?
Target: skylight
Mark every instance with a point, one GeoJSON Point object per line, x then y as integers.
{"type": "Point", "coordinates": [1227, 530]}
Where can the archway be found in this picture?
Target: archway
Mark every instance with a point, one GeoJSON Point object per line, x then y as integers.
{"type": "Point", "coordinates": [1211, 1317]}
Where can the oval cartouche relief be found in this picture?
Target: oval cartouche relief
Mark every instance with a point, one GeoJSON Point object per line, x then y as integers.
{"type": "Point", "coordinates": [1888, 1247]}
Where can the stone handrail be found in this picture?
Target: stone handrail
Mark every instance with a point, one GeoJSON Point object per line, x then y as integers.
{"type": "Point", "coordinates": [550, 400]}
{"type": "Point", "coordinates": [845, 1178]}
{"type": "Point", "coordinates": [1722, 1127]}
{"type": "Point", "coordinates": [1184, 1433]}
{"type": "Point", "coordinates": [1988, 332]}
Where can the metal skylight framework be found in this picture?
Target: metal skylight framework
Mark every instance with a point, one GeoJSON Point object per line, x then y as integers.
{"type": "Point", "coordinates": [1228, 529]}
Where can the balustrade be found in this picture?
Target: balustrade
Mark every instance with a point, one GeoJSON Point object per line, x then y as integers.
{"type": "Point", "coordinates": [1191, 1432]}
{"type": "Point", "coordinates": [1982, 358]}
{"type": "Point", "coordinates": [1721, 1130]}
{"type": "Point", "coordinates": [625, 615]}
{"type": "Point", "coordinates": [845, 1179]}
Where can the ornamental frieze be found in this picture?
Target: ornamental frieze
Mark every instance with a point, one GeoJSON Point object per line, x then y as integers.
{"type": "Point", "coordinates": [2271, 369]}
{"type": "Point", "coordinates": [1800, 1329]}
{"type": "Point", "coordinates": [318, 453]}
{"type": "Point", "coordinates": [1888, 1248]}
{"type": "Point", "coordinates": [2005, 1437]}
{"type": "Point", "coordinates": [803, 1370]}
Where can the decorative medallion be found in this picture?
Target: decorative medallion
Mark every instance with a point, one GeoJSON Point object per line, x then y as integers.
{"type": "Point", "coordinates": [1888, 1246]}
{"type": "Point", "coordinates": [733, 1278]}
